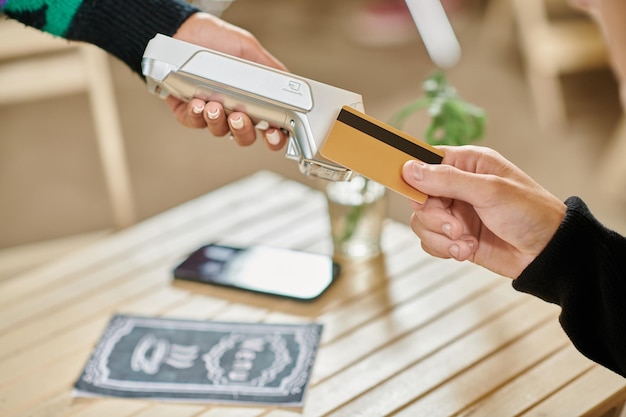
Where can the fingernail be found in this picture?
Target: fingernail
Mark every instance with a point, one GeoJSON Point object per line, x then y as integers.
{"type": "Point", "coordinates": [446, 228]}
{"type": "Point", "coordinates": [213, 114]}
{"type": "Point", "coordinates": [236, 123]}
{"type": "Point", "coordinates": [197, 109]}
{"type": "Point", "coordinates": [418, 170]}
{"type": "Point", "coordinates": [273, 137]}
{"type": "Point", "coordinates": [454, 251]}
{"type": "Point", "coordinates": [262, 125]}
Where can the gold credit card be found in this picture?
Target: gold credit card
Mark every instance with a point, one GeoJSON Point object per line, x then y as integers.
{"type": "Point", "coordinates": [376, 150]}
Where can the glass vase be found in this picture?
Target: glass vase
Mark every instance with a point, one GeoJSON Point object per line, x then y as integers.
{"type": "Point", "coordinates": [357, 209]}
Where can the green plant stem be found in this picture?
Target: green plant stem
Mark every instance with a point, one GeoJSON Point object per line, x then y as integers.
{"type": "Point", "coordinates": [352, 220]}
{"type": "Point", "coordinates": [399, 119]}
{"type": "Point", "coordinates": [353, 216]}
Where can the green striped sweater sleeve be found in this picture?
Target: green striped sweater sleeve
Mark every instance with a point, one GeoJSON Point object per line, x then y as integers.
{"type": "Point", "coordinates": [120, 27]}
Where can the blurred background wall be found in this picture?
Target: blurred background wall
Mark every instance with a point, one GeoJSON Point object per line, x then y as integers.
{"type": "Point", "coordinates": [51, 181]}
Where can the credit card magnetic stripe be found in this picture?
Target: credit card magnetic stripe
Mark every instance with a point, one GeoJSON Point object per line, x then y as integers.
{"type": "Point", "coordinates": [388, 137]}
{"type": "Point", "coordinates": [376, 150]}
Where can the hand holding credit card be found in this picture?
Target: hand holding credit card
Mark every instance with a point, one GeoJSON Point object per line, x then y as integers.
{"type": "Point", "coordinates": [376, 150]}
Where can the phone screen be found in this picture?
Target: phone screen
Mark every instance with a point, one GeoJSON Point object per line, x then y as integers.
{"type": "Point", "coordinates": [277, 271]}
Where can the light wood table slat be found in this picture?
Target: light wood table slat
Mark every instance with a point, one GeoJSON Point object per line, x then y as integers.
{"type": "Point", "coordinates": [481, 379]}
{"type": "Point", "coordinates": [418, 349]}
{"type": "Point", "coordinates": [533, 386]}
{"type": "Point", "coordinates": [118, 408]}
{"type": "Point", "coordinates": [580, 396]}
{"type": "Point", "coordinates": [404, 334]}
{"type": "Point", "coordinates": [233, 412]}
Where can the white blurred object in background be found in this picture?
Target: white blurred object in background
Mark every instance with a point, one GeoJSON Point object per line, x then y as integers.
{"type": "Point", "coordinates": [215, 7]}
{"type": "Point", "coordinates": [436, 32]}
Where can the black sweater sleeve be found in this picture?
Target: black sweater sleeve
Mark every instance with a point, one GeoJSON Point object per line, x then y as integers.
{"type": "Point", "coordinates": [120, 27]}
{"type": "Point", "coordinates": [124, 27]}
{"type": "Point", "coordinates": [583, 269]}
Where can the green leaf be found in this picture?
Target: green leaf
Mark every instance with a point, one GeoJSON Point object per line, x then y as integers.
{"type": "Point", "coordinates": [453, 121]}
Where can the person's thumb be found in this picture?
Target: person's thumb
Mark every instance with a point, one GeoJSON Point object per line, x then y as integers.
{"type": "Point", "coordinates": [441, 180]}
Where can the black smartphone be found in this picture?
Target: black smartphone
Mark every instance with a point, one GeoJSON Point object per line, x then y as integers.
{"type": "Point", "coordinates": [260, 268]}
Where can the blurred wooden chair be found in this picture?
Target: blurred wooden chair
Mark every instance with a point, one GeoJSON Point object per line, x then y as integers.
{"type": "Point", "coordinates": [35, 66]}
{"type": "Point", "coordinates": [612, 170]}
{"type": "Point", "coordinates": [555, 39]}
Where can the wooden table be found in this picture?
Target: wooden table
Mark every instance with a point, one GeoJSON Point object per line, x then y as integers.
{"type": "Point", "coordinates": [406, 334]}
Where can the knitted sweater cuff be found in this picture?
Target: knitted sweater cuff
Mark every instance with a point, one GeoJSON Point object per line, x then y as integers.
{"type": "Point", "coordinates": [125, 32]}
{"type": "Point", "coordinates": [547, 276]}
